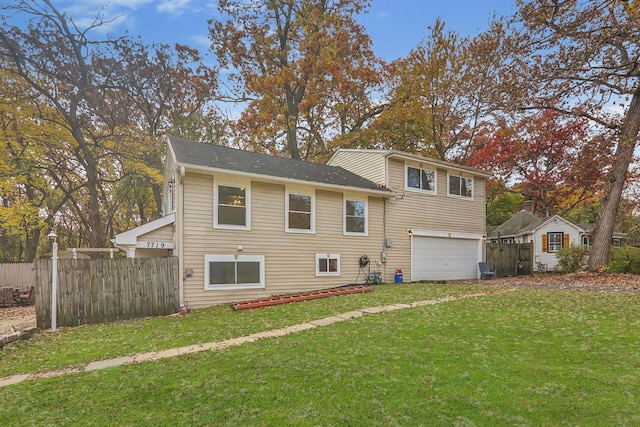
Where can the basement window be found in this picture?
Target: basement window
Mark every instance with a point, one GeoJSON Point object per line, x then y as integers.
{"type": "Point", "coordinates": [223, 272]}
{"type": "Point", "coordinates": [327, 264]}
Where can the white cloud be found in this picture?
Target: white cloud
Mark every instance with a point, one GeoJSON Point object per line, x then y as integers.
{"type": "Point", "coordinates": [201, 41]}
{"type": "Point", "coordinates": [173, 6]}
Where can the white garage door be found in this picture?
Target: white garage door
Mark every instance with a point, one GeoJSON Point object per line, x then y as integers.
{"type": "Point", "coordinates": [439, 258]}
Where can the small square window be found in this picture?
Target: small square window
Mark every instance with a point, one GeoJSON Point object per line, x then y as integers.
{"type": "Point", "coordinates": [327, 264]}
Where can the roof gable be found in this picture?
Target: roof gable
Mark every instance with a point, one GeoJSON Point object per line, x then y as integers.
{"type": "Point", "coordinates": [130, 237]}
{"type": "Point", "coordinates": [555, 219]}
{"type": "Point", "coordinates": [218, 157]}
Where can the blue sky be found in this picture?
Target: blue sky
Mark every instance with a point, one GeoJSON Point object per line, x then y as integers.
{"type": "Point", "coordinates": [395, 26]}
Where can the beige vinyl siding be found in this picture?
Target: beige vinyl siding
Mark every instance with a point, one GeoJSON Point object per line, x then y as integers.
{"type": "Point", "coordinates": [415, 210]}
{"type": "Point", "coordinates": [162, 234]}
{"type": "Point", "coordinates": [289, 257]}
{"type": "Point", "coordinates": [368, 164]}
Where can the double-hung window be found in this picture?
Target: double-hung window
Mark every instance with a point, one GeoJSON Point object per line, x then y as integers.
{"type": "Point", "coordinates": [233, 272]}
{"type": "Point", "coordinates": [327, 264]}
{"type": "Point", "coordinates": [300, 212]}
{"type": "Point", "coordinates": [421, 179]}
{"type": "Point", "coordinates": [232, 206]}
{"type": "Point", "coordinates": [460, 186]}
{"type": "Point", "coordinates": [355, 216]}
{"type": "Point", "coordinates": [555, 241]}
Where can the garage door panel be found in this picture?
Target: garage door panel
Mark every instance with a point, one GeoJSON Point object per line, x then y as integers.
{"type": "Point", "coordinates": [437, 258]}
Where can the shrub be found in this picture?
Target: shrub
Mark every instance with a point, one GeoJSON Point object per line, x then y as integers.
{"type": "Point", "coordinates": [624, 260]}
{"type": "Point", "coordinates": [572, 258]}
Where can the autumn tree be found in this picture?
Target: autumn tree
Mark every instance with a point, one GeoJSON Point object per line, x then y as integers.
{"type": "Point", "coordinates": [555, 163]}
{"type": "Point", "coordinates": [28, 200]}
{"type": "Point", "coordinates": [304, 70]}
{"type": "Point", "coordinates": [582, 59]}
{"type": "Point", "coordinates": [54, 57]}
{"type": "Point", "coordinates": [502, 202]}
{"type": "Point", "coordinates": [113, 98]}
{"type": "Point", "coordinates": [162, 90]}
{"type": "Point", "coordinates": [436, 103]}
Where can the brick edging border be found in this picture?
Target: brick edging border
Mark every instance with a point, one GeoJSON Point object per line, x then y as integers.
{"type": "Point", "coordinates": [307, 296]}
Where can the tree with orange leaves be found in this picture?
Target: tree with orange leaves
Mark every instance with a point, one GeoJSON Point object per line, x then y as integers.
{"type": "Point", "coordinates": [303, 69]}
{"type": "Point", "coordinates": [581, 59]}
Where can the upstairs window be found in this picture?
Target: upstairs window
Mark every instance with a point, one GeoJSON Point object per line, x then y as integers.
{"type": "Point", "coordinates": [421, 179]}
{"type": "Point", "coordinates": [300, 215]}
{"type": "Point", "coordinates": [232, 207]}
{"type": "Point", "coordinates": [460, 186]}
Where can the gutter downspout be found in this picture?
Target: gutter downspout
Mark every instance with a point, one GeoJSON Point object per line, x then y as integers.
{"type": "Point", "coordinates": [179, 233]}
{"type": "Point", "coordinates": [384, 216]}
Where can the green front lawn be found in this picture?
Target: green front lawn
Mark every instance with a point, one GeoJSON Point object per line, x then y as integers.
{"type": "Point", "coordinates": [75, 347]}
{"type": "Point", "coordinates": [526, 358]}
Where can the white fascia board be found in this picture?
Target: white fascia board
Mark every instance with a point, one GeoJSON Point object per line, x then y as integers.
{"type": "Point", "coordinates": [130, 237]}
{"type": "Point", "coordinates": [548, 220]}
{"type": "Point", "coordinates": [436, 163]}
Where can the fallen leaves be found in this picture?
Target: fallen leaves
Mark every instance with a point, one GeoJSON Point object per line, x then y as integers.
{"type": "Point", "coordinates": [583, 281]}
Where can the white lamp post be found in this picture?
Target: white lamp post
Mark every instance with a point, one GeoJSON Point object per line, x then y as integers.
{"type": "Point", "coordinates": [54, 281]}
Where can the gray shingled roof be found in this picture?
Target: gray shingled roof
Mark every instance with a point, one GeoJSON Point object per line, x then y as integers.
{"type": "Point", "coordinates": [522, 222]}
{"type": "Point", "coordinates": [219, 157]}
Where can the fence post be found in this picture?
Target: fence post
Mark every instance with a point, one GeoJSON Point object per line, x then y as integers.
{"type": "Point", "coordinates": [54, 281]}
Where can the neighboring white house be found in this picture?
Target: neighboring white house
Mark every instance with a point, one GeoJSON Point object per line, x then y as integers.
{"type": "Point", "coordinates": [547, 235]}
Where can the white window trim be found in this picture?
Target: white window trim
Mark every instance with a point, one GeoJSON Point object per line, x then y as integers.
{"type": "Point", "coordinates": [327, 257]}
{"type": "Point", "coordinates": [286, 211]}
{"type": "Point", "coordinates": [456, 196]}
{"type": "Point", "coordinates": [233, 258]}
{"type": "Point", "coordinates": [420, 190]}
{"type": "Point", "coordinates": [355, 198]}
{"type": "Point", "coordinates": [246, 184]}
{"type": "Point", "coordinates": [555, 250]}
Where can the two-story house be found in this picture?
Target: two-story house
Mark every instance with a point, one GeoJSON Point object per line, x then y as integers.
{"type": "Point", "coordinates": [246, 225]}
{"type": "Point", "coordinates": [436, 216]}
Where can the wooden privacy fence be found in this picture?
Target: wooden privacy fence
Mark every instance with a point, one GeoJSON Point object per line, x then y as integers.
{"type": "Point", "coordinates": [16, 274]}
{"type": "Point", "coordinates": [510, 259]}
{"type": "Point", "coordinates": [105, 290]}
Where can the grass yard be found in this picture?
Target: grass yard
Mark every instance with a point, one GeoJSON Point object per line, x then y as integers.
{"type": "Point", "coordinates": [525, 358]}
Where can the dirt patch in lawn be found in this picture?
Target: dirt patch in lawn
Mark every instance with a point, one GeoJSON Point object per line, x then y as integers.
{"type": "Point", "coordinates": [17, 318]}
{"type": "Point", "coordinates": [603, 282]}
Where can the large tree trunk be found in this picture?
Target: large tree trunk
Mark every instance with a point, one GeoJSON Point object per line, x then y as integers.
{"type": "Point", "coordinates": [31, 246]}
{"type": "Point", "coordinates": [603, 230]}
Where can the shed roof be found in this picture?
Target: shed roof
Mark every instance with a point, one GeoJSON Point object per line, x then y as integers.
{"type": "Point", "coordinates": [520, 223]}
{"type": "Point", "coordinates": [194, 153]}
